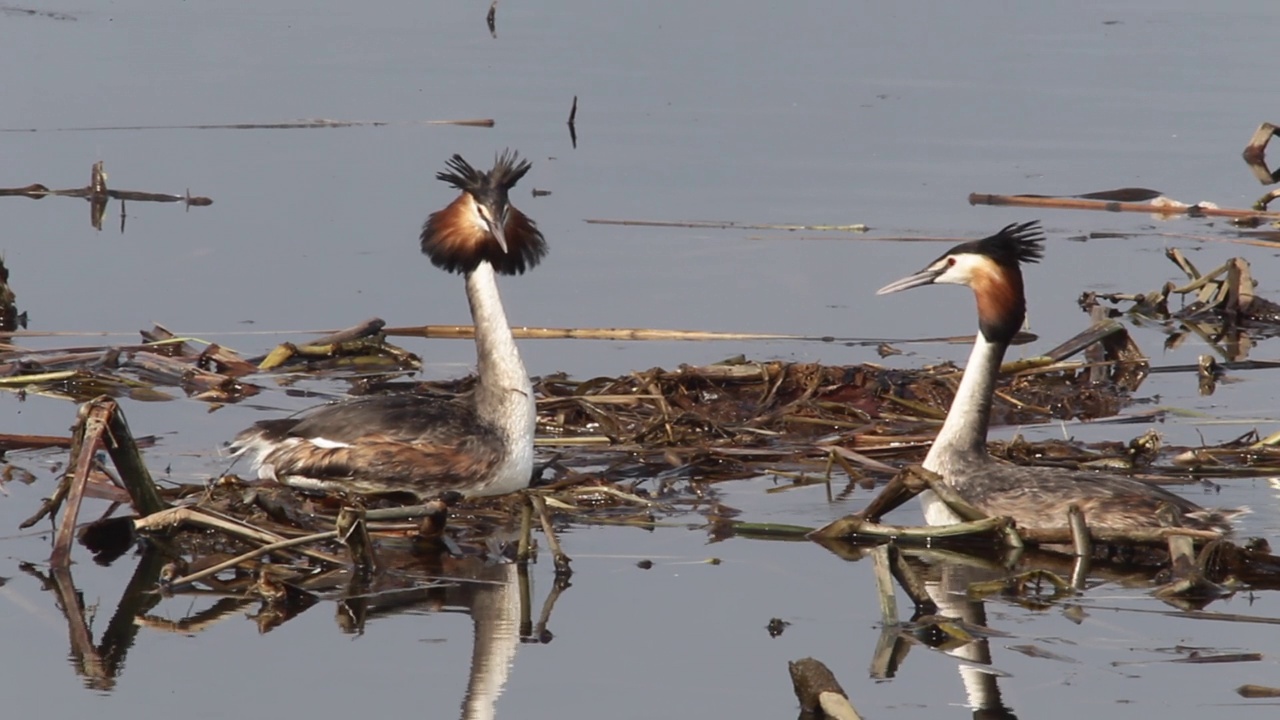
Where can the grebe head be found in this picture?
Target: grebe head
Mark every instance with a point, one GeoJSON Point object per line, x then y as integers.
{"type": "Point", "coordinates": [991, 267]}
{"type": "Point", "coordinates": [482, 225]}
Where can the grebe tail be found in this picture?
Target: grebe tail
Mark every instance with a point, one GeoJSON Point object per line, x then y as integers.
{"type": "Point", "coordinates": [1036, 497]}
{"type": "Point", "coordinates": [420, 445]}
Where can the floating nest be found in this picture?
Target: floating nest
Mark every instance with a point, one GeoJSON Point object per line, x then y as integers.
{"type": "Point", "coordinates": [641, 449]}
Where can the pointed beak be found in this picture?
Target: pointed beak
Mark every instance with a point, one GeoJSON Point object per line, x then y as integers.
{"type": "Point", "coordinates": [495, 228]}
{"type": "Point", "coordinates": [924, 277]}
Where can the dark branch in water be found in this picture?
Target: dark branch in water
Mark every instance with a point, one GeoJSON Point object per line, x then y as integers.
{"type": "Point", "coordinates": [573, 120]}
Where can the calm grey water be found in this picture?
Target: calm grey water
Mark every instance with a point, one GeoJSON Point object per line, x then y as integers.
{"type": "Point", "coordinates": [815, 113]}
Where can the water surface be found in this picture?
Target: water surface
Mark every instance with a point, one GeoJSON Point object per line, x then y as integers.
{"type": "Point", "coordinates": [815, 113]}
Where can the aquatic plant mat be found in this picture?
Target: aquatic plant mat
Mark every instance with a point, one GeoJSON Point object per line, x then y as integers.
{"type": "Point", "coordinates": [643, 449]}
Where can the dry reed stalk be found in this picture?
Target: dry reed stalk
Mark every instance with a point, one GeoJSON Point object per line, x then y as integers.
{"type": "Point", "coordinates": [354, 533]}
{"type": "Point", "coordinates": [1059, 203]}
{"type": "Point", "coordinates": [176, 517]}
{"type": "Point", "coordinates": [256, 552]}
{"type": "Point", "coordinates": [727, 225]}
{"type": "Point", "coordinates": [1258, 691]}
{"type": "Point", "coordinates": [1080, 540]}
{"type": "Point", "coordinates": [86, 441]}
{"type": "Point", "coordinates": [128, 460]}
{"type": "Point", "coordinates": [466, 332]}
{"type": "Point", "coordinates": [10, 442]}
{"type": "Point", "coordinates": [557, 554]}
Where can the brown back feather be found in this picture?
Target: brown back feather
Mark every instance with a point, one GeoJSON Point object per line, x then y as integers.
{"type": "Point", "coordinates": [377, 464]}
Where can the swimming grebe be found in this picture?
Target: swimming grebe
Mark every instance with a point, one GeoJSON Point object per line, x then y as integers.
{"type": "Point", "coordinates": [1035, 497]}
{"type": "Point", "coordinates": [427, 446]}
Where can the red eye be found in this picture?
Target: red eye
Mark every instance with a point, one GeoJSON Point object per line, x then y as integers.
{"type": "Point", "coordinates": [951, 261]}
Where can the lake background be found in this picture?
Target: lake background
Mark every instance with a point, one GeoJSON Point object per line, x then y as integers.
{"type": "Point", "coordinates": [807, 113]}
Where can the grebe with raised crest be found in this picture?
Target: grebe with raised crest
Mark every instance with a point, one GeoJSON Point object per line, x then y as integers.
{"type": "Point", "coordinates": [1036, 497]}
{"type": "Point", "coordinates": [425, 446]}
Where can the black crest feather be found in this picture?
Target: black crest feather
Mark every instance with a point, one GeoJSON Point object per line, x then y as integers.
{"type": "Point", "coordinates": [456, 240]}
{"type": "Point", "coordinates": [1016, 243]}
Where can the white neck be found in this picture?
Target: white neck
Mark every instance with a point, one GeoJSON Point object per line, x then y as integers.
{"type": "Point", "coordinates": [963, 437]}
{"type": "Point", "coordinates": [504, 395]}
{"type": "Point", "coordinates": [965, 431]}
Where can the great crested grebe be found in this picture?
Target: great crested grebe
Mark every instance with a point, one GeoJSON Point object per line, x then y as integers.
{"type": "Point", "coordinates": [1035, 497]}
{"type": "Point", "coordinates": [425, 446]}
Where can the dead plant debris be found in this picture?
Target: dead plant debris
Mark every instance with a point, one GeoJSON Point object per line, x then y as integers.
{"type": "Point", "coordinates": [1255, 156]}
{"type": "Point", "coordinates": [640, 450]}
{"type": "Point", "coordinates": [1219, 307]}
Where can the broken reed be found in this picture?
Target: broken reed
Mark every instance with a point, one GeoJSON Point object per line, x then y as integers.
{"type": "Point", "coordinates": [459, 332]}
{"type": "Point", "coordinates": [1070, 203]}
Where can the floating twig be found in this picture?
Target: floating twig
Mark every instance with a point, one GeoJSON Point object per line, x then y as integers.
{"type": "Point", "coordinates": [1172, 208]}
{"type": "Point", "coordinates": [460, 332]}
{"type": "Point", "coordinates": [11, 441]}
{"type": "Point", "coordinates": [176, 517]}
{"type": "Point", "coordinates": [559, 558]}
{"type": "Point", "coordinates": [1080, 540]}
{"type": "Point", "coordinates": [85, 443]}
{"type": "Point", "coordinates": [100, 425]}
{"type": "Point", "coordinates": [1258, 691]}
{"type": "Point", "coordinates": [524, 550]}
{"type": "Point", "coordinates": [368, 328]}
{"type": "Point", "coordinates": [256, 552]}
{"type": "Point", "coordinates": [727, 225]}
{"type": "Point", "coordinates": [354, 533]}
{"type": "Point", "coordinates": [1264, 202]}
{"type": "Point", "coordinates": [128, 460]}
{"type": "Point", "coordinates": [363, 345]}
{"type": "Point", "coordinates": [467, 332]}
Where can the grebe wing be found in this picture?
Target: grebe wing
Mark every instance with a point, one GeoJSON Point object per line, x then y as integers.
{"type": "Point", "coordinates": [416, 444]}
{"type": "Point", "coordinates": [411, 418]}
{"type": "Point", "coordinates": [376, 464]}
{"type": "Point", "coordinates": [1040, 496]}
